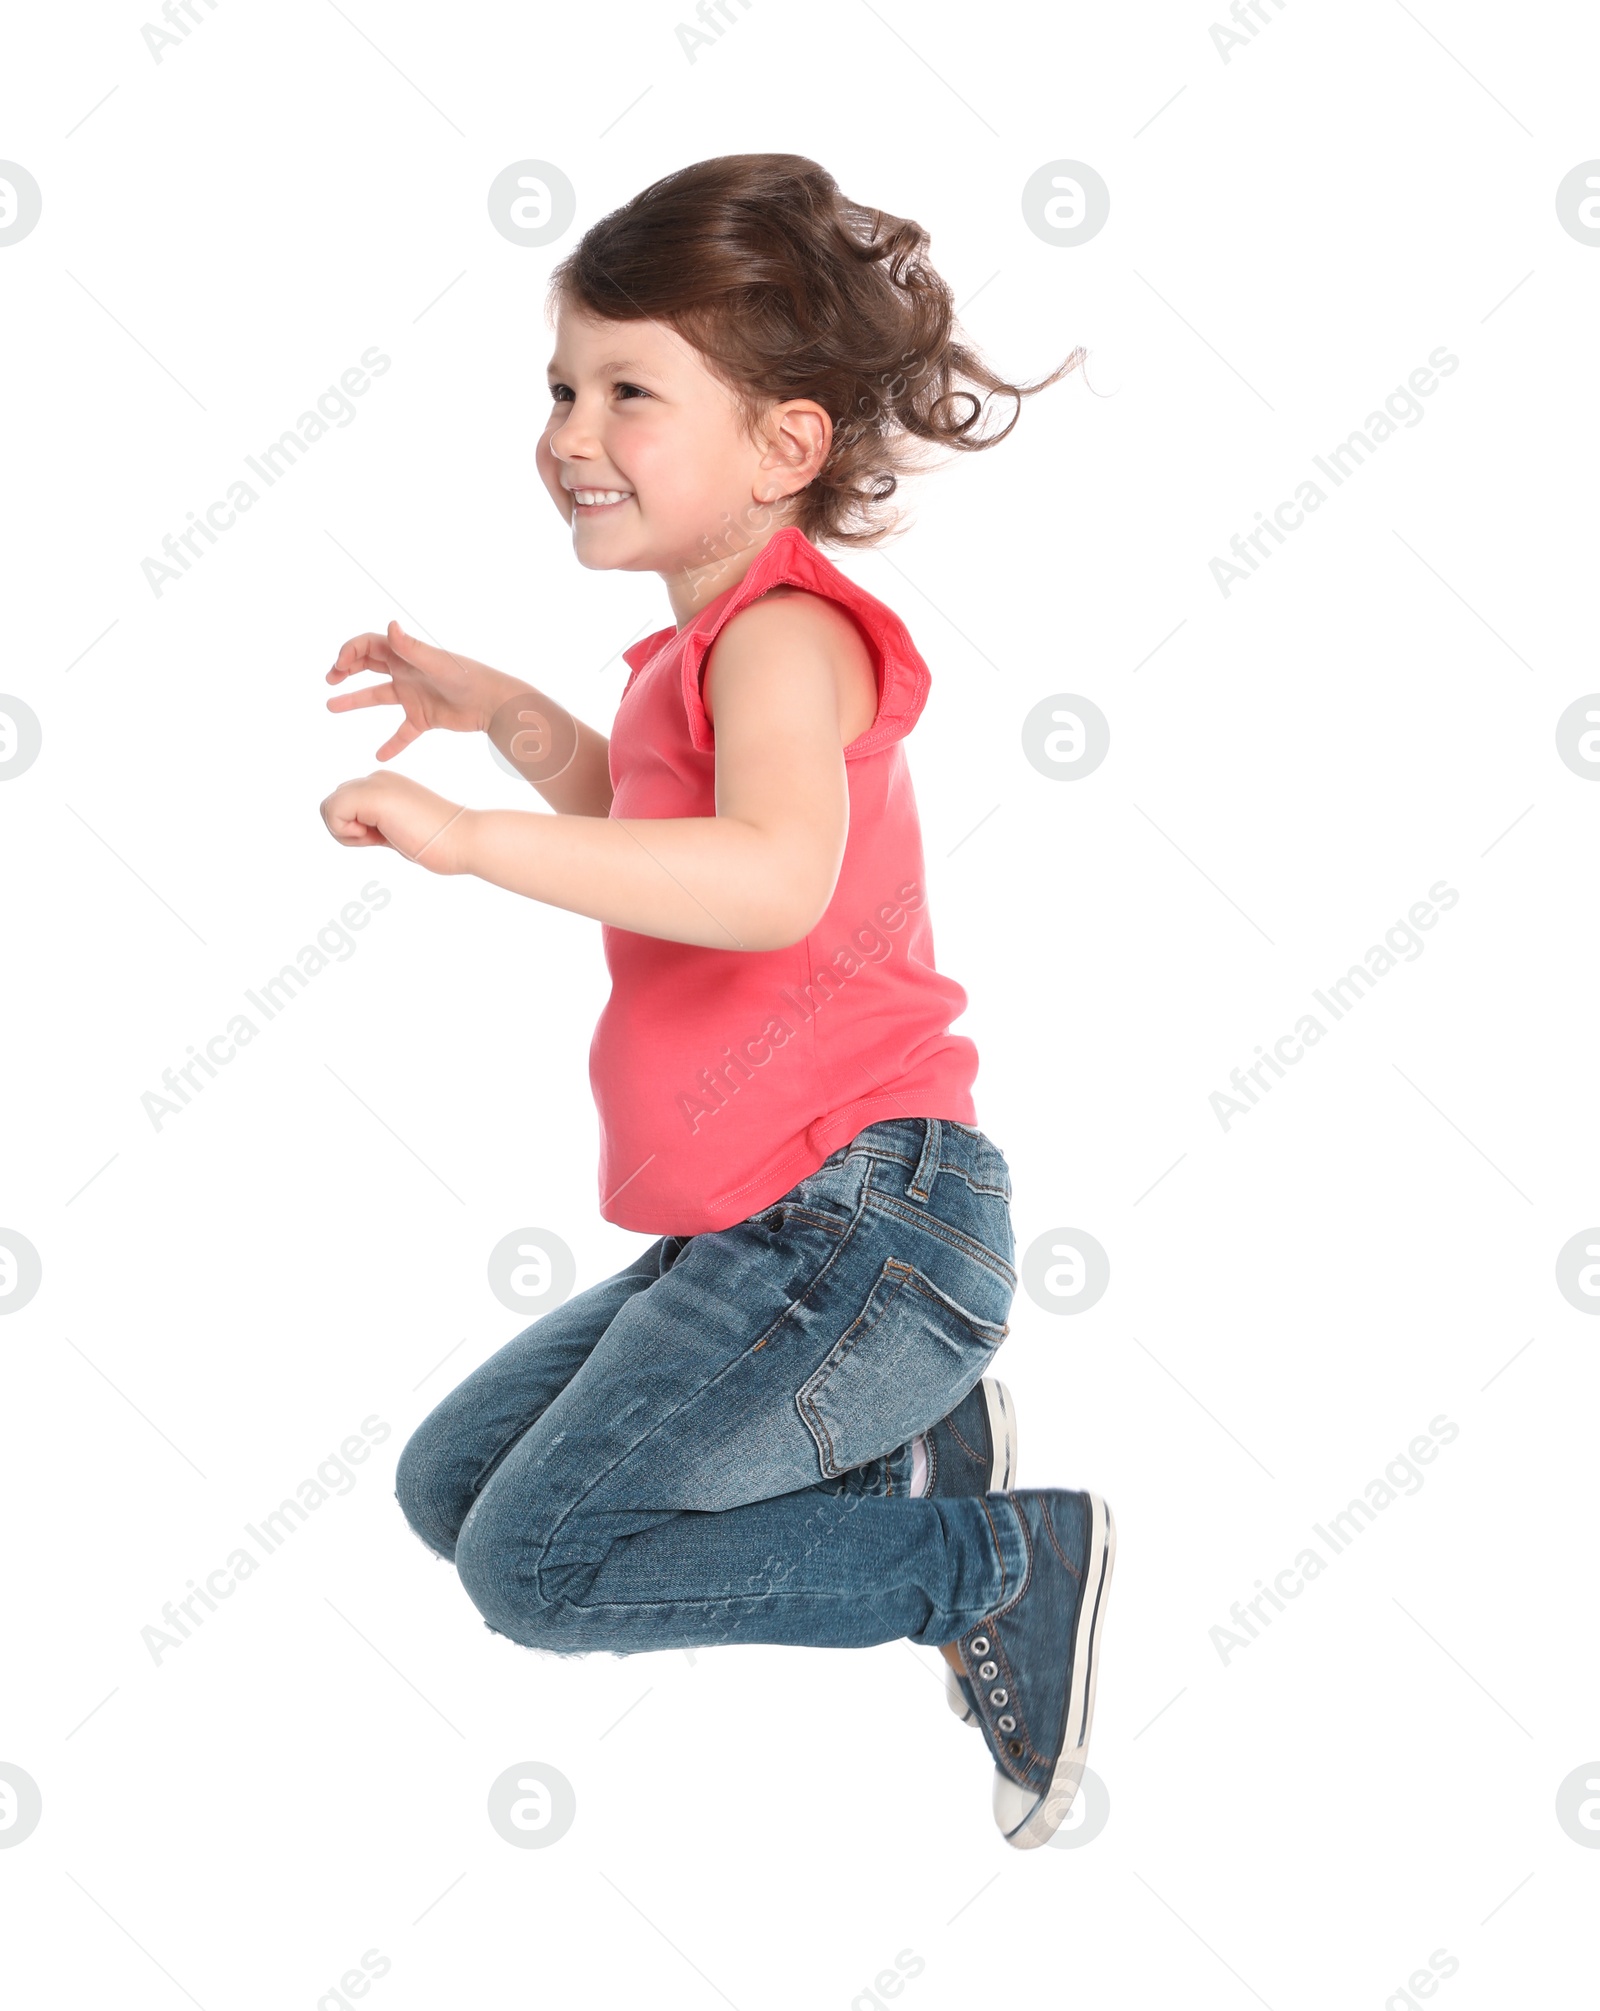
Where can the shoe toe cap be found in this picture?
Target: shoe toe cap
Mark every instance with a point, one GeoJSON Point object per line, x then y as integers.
{"type": "Point", "coordinates": [1012, 1805]}
{"type": "Point", "coordinates": [1027, 1818]}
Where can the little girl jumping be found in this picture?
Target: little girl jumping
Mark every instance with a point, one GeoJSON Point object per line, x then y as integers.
{"type": "Point", "coordinates": [777, 1424]}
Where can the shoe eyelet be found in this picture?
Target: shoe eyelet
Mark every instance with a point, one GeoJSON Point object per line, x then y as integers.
{"type": "Point", "coordinates": [1007, 1723]}
{"type": "Point", "coordinates": [980, 1644]}
{"type": "Point", "coordinates": [1014, 1747]}
{"type": "Point", "coordinates": [988, 1671]}
{"type": "Point", "coordinates": [999, 1696]}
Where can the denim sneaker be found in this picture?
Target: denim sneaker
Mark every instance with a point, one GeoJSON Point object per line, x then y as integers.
{"type": "Point", "coordinates": [1031, 1666]}
{"type": "Point", "coordinates": [972, 1451]}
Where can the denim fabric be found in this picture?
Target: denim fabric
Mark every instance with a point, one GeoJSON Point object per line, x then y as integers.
{"type": "Point", "coordinates": [713, 1445]}
{"type": "Point", "coordinates": [961, 1448]}
{"type": "Point", "coordinates": [1018, 1681]}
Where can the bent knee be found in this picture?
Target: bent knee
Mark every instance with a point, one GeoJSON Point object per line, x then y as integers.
{"type": "Point", "coordinates": [499, 1557]}
{"type": "Point", "coordinates": [423, 1488]}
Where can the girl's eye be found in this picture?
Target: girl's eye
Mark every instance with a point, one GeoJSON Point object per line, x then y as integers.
{"type": "Point", "coordinates": [563, 394]}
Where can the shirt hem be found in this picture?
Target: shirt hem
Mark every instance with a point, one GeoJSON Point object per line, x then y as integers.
{"type": "Point", "coordinates": [822, 1139]}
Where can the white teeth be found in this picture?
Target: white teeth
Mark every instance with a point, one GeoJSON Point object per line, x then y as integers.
{"type": "Point", "coordinates": [601, 495]}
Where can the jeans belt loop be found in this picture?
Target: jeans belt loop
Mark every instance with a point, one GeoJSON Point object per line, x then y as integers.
{"type": "Point", "coordinates": [920, 1186]}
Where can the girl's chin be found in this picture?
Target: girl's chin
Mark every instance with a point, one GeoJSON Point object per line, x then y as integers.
{"type": "Point", "coordinates": [612, 555]}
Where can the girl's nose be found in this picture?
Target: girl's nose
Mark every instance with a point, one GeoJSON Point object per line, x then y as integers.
{"type": "Point", "coordinates": [574, 439]}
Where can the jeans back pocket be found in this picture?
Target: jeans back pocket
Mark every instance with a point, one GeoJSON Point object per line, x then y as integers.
{"type": "Point", "coordinates": [908, 1358]}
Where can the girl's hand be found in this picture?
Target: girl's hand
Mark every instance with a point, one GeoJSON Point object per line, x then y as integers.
{"type": "Point", "coordinates": [436, 687]}
{"type": "Point", "coordinates": [390, 809]}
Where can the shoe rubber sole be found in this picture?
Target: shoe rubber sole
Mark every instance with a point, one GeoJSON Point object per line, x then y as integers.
{"type": "Point", "coordinates": [1028, 1823]}
{"type": "Point", "coordinates": [1002, 1434]}
{"type": "Point", "coordinates": [954, 1698]}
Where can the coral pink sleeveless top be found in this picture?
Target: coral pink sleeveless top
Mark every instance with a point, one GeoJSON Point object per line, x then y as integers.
{"type": "Point", "coordinates": [722, 1077]}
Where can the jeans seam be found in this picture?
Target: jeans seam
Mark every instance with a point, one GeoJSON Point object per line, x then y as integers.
{"type": "Point", "coordinates": [1027, 1575]}
{"type": "Point", "coordinates": [845, 1236]}
{"type": "Point", "coordinates": [999, 1550]}
{"type": "Point", "coordinates": [945, 1165]}
{"type": "Point", "coordinates": [807, 1408]}
{"type": "Point", "coordinates": [818, 1220]}
{"type": "Point", "coordinates": [990, 1332]}
{"type": "Point", "coordinates": [947, 1232]}
{"type": "Point", "coordinates": [906, 1159]}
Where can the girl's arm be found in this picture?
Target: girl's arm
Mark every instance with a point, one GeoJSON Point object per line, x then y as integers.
{"type": "Point", "coordinates": [789, 685]}
{"type": "Point", "coordinates": [566, 761]}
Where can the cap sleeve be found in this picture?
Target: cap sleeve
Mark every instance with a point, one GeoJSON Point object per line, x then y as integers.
{"type": "Point", "coordinates": [790, 559]}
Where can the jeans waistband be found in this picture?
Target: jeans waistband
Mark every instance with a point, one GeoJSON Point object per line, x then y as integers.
{"type": "Point", "coordinates": [926, 1146]}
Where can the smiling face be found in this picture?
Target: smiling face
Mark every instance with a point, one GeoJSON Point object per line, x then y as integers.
{"type": "Point", "coordinates": [647, 456]}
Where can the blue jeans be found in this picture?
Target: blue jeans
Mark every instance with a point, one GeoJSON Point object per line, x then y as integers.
{"type": "Point", "coordinates": [713, 1445]}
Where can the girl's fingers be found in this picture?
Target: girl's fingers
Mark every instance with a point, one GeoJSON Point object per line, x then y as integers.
{"type": "Point", "coordinates": [402, 736]}
{"type": "Point", "coordinates": [421, 655]}
{"type": "Point", "coordinates": [370, 694]}
{"type": "Point", "coordinates": [402, 658]}
{"type": "Point", "coordinates": [361, 652]}
{"type": "Point", "coordinates": [408, 646]}
{"type": "Point", "coordinates": [350, 831]}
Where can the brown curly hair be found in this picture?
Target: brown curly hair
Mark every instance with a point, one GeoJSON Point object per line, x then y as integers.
{"type": "Point", "coordinates": [789, 289]}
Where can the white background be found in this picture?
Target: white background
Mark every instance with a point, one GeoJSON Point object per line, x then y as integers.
{"type": "Point", "coordinates": [1292, 232]}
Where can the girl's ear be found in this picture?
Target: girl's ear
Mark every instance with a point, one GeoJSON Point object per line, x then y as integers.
{"type": "Point", "coordinates": [798, 435]}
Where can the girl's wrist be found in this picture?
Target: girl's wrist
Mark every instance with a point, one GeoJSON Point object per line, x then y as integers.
{"type": "Point", "coordinates": [498, 687]}
{"type": "Point", "coordinates": [460, 843]}
{"type": "Point", "coordinates": [450, 851]}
